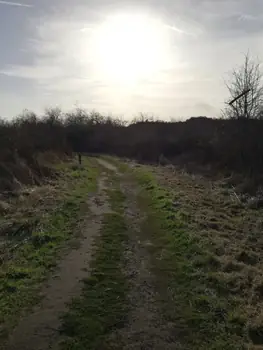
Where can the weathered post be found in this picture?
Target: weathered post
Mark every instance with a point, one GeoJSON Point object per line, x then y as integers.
{"type": "Point", "coordinates": [79, 157]}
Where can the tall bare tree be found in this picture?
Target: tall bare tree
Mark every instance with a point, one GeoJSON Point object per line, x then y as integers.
{"type": "Point", "coordinates": [245, 87]}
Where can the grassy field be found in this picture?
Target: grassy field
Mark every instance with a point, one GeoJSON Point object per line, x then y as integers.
{"type": "Point", "coordinates": [180, 264]}
{"type": "Point", "coordinates": [36, 232]}
{"type": "Point", "coordinates": [206, 258]}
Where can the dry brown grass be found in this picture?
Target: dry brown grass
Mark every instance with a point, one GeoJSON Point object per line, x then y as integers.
{"type": "Point", "coordinates": [232, 232]}
{"type": "Point", "coordinates": [23, 209]}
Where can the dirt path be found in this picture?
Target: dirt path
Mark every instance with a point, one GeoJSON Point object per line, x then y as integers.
{"type": "Point", "coordinates": [145, 328]}
{"type": "Point", "coordinates": [39, 330]}
{"type": "Point", "coordinates": [107, 165]}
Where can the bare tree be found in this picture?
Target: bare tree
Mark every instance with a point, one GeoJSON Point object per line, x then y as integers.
{"type": "Point", "coordinates": [246, 90]}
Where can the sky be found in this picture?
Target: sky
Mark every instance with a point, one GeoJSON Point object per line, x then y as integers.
{"type": "Point", "coordinates": [164, 58]}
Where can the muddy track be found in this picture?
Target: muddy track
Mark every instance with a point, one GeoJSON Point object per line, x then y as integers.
{"type": "Point", "coordinates": [40, 330]}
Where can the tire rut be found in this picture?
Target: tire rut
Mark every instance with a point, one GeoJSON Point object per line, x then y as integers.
{"type": "Point", "coordinates": [40, 329]}
{"type": "Point", "coordinates": [145, 329]}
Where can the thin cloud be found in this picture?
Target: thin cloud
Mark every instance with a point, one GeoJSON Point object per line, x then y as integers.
{"type": "Point", "coordinates": [192, 29]}
{"type": "Point", "coordinates": [15, 4]}
{"type": "Point", "coordinates": [178, 30]}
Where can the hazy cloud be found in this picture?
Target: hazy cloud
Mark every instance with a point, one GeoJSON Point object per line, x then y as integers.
{"type": "Point", "coordinates": [14, 4]}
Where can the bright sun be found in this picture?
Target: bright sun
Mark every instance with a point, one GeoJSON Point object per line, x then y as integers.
{"type": "Point", "coordinates": [129, 48]}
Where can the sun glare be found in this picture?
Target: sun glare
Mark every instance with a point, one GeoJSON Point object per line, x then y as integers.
{"type": "Point", "coordinates": [129, 48]}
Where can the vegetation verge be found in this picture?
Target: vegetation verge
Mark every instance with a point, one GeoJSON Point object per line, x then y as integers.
{"type": "Point", "coordinates": [204, 314]}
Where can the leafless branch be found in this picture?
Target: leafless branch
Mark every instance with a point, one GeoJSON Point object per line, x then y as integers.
{"type": "Point", "coordinates": [246, 91]}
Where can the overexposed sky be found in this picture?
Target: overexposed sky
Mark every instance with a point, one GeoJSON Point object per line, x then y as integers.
{"type": "Point", "coordinates": [166, 58]}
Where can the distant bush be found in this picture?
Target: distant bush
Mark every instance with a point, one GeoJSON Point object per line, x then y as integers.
{"type": "Point", "coordinates": [226, 145]}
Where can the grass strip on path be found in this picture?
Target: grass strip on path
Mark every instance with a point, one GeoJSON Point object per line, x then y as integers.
{"type": "Point", "coordinates": [203, 317]}
{"type": "Point", "coordinates": [36, 255]}
{"type": "Point", "coordinates": [102, 307]}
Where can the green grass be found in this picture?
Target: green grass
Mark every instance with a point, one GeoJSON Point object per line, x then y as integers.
{"type": "Point", "coordinates": [102, 306]}
{"type": "Point", "coordinates": [204, 314]}
{"type": "Point", "coordinates": [32, 260]}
